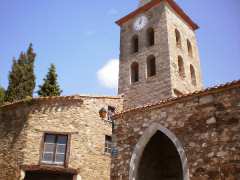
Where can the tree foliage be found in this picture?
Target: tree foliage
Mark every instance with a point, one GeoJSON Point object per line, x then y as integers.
{"type": "Point", "coordinates": [2, 94]}
{"type": "Point", "coordinates": [50, 85]}
{"type": "Point", "coordinates": [21, 77]}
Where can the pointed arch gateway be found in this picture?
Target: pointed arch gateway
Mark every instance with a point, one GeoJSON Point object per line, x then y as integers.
{"type": "Point", "coordinates": [158, 155]}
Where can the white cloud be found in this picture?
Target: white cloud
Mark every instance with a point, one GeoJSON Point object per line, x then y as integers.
{"type": "Point", "coordinates": [108, 74]}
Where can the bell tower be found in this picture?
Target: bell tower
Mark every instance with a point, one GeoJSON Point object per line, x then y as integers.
{"type": "Point", "coordinates": [159, 55]}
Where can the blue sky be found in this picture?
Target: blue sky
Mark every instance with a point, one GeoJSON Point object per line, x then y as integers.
{"type": "Point", "coordinates": [80, 37]}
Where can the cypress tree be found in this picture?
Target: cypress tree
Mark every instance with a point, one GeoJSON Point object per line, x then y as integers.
{"type": "Point", "coordinates": [2, 94]}
{"type": "Point", "coordinates": [50, 85]}
{"type": "Point", "coordinates": [21, 78]}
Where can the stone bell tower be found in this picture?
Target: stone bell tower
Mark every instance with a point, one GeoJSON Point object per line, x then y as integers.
{"type": "Point", "coordinates": [159, 55]}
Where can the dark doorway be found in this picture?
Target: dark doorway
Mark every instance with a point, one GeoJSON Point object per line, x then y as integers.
{"type": "Point", "coordinates": [160, 160]}
{"type": "Point", "coordinates": [35, 175]}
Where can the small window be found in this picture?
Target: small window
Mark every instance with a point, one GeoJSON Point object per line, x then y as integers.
{"type": "Point", "coordinates": [135, 44]}
{"type": "Point", "coordinates": [193, 75]}
{"type": "Point", "coordinates": [54, 149]}
{"type": "Point", "coordinates": [178, 38]}
{"type": "Point", "coordinates": [151, 66]}
{"type": "Point", "coordinates": [189, 46]}
{"type": "Point", "coordinates": [134, 72]}
{"type": "Point", "coordinates": [150, 37]}
{"type": "Point", "coordinates": [108, 144]}
{"type": "Point", "coordinates": [181, 70]}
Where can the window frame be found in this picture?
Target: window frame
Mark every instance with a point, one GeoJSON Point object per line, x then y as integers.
{"type": "Point", "coordinates": [67, 150]}
{"type": "Point", "coordinates": [108, 145]}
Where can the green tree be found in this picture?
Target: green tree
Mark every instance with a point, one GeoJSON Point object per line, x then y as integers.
{"type": "Point", "coordinates": [21, 77]}
{"type": "Point", "coordinates": [50, 85]}
{"type": "Point", "coordinates": [2, 94]}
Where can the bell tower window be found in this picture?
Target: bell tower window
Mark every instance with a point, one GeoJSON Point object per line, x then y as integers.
{"type": "Point", "coordinates": [178, 38]}
{"type": "Point", "coordinates": [150, 37]}
{"type": "Point", "coordinates": [193, 75]}
{"type": "Point", "coordinates": [151, 66]}
{"type": "Point", "coordinates": [189, 46]}
{"type": "Point", "coordinates": [134, 72]}
{"type": "Point", "coordinates": [135, 44]}
{"type": "Point", "coordinates": [181, 70]}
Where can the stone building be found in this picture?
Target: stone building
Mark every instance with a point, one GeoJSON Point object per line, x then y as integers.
{"type": "Point", "coordinates": [170, 128]}
{"type": "Point", "coordinates": [62, 138]}
{"type": "Point", "coordinates": [165, 125]}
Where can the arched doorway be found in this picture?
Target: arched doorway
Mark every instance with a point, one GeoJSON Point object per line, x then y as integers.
{"type": "Point", "coordinates": [158, 156]}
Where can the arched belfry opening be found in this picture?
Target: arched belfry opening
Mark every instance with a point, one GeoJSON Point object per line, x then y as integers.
{"type": "Point", "coordinates": [158, 155]}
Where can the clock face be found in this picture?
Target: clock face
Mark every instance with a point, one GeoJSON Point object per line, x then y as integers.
{"type": "Point", "coordinates": [140, 23]}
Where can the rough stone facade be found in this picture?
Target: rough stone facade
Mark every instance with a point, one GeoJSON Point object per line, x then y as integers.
{"type": "Point", "coordinates": [22, 127]}
{"type": "Point", "coordinates": [164, 20]}
{"type": "Point", "coordinates": [162, 130]}
{"type": "Point", "coordinates": [204, 128]}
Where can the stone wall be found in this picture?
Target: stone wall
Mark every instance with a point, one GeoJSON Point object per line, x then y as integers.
{"type": "Point", "coordinates": [204, 128]}
{"type": "Point", "coordinates": [22, 126]}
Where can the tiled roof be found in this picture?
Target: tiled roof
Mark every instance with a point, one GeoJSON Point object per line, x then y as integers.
{"type": "Point", "coordinates": [207, 91]}
{"type": "Point", "coordinates": [151, 4]}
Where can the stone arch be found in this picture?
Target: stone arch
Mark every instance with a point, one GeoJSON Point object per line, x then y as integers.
{"type": "Point", "coordinates": [142, 143]}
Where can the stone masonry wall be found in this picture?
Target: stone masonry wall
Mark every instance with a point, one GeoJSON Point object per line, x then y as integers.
{"type": "Point", "coordinates": [206, 124]}
{"type": "Point", "coordinates": [22, 128]}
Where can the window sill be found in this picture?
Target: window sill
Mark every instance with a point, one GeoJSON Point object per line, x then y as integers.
{"type": "Point", "coordinates": [182, 78]}
{"type": "Point", "coordinates": [151, 78]}
{"type": "Point", "coordinates": [52, 164]}
{"type": "Point", "coordinates": [107, 154]}
{"type": "Point", "coordinates": [179, 47]}
{"type": "Point", "coordinates": [135, 83]}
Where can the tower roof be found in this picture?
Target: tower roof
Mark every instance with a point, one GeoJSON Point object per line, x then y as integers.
{"type": "Point", "coordinates": [153, 3]}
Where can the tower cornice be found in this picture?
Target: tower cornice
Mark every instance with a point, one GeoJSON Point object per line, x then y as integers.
{"type": "Point", "coordinates": [153, 3]}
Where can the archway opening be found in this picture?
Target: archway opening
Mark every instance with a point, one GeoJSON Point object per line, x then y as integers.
{"type": "Point", "coordinates": [160, 160]}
